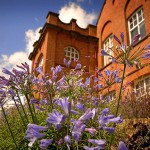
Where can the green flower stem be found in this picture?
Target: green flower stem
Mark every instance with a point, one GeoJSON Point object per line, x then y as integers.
{"type": "Point", "coordinates": [77, 146]}
{"type": "Point", "coordinates": [51, 103]}
{"type": "Point", "coordinates": [22, 108]}
{"type": "Point", "coordinates": [120, 91]}
{"type": "Point", "coordinates": [20, 113]}
{"type": "Point", "coordinates": [118, 103]}
{"type": "Point", "coordinates": [32, 115]}
{"type": "Point", "coordinates": [9, 127]}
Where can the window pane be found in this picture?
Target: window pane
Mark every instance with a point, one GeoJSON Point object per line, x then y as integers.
{"type": "Point", "coordinates": [134, 32]}
{"type": "Point", "coordinates": [71, 53]}
{"type": "Point", "coordinates": [142, 29]}
{"type": "Point", "coordinates": [108, 43]}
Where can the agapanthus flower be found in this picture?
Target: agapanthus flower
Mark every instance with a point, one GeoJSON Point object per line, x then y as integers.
{"type": "Point", "coordinates": [67, 63]}
{"type": "Point", "coordinates": [91, 130]}
{"type": "Point", "coordinates": [44, 143]}
{"type": "Point", "coordinates": [37, 127]}
{"type": "Point", "coordinates": [146, 55]}
{"type": "Point", "coordinates": [100, 144]}
{"type": "Point", "coordinates": [105, 111]}
{"type": "Point", "coordinates": [110, 130]}
{"type": "Point", "coordinates": [91, 148]}
{"type": "Point", "coordinates": [33, 133]}
{"type": "Point", "coordinates": [104, 53]}
{"type": "Point", "coordinates": [67, 139]}
{"type": "Point", "coordinates": [56, 70]}
{"type": "Point", "coordinates": [65, 105]}
{"type": "Point", "coordinates": [87, 115]}
{"type": "Point", "coordinates": [87, 82]}
{"type": "Point", "coordinates": [135, 39]}
{"type": "Point", "coordinates": [147, 47]}
{"type": "Point", "coordinates": [78, 66]}
{"type": "Point", "coordinates": [40, 108]}
{"type": "Point", "coordinates": [39, 70]}
{"type": "Point", "coordinates": [77, 129]}
{"type": "Point", "coordinates": [55, 118]}
{"type": "Point", "coordinates": [122, 146]}
{"type": "Point", "coordinates": [80, 107]}
{"type": "Point", "coordinates": [76, 134]}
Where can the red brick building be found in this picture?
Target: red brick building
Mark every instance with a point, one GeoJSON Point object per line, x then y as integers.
{"type": "Point", "coordinates": [59, 40]}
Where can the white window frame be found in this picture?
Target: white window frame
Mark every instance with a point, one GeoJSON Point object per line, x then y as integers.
{"type": "Point", "coordinates": [71, 53]}
{"type": "Point", "coordinates": [108, 45]}
{"type": "Point", "coordinates": [40, 61]}
{"type": "Point", "coordinates": [142, 91]}
{"type": "Point", "coordinates": [132, 25]}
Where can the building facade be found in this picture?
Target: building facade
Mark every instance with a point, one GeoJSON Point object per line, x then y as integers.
{"type": "Point", "coordinates": [59, 40]}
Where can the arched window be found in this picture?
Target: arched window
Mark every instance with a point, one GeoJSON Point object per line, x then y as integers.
{"type": "Point", "coordinates": [40, 63]}
{"type": "Point", "coordinates": [136, 24]}
{"type": "Point", "coordinates": [71, 53]}
{"type": "Point", "coordinates": [107, 45]}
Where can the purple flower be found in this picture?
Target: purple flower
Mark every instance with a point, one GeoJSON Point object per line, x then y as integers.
{"type": "Point", "coordinates": [33, 133]}
{"type": "Point", "coordinates": [78, 66]}
{"type": "Point", "coordinates": [39, 70]}
{"type": "Point", "coordinates": [122, 146]}
{"type": "Point", "coordinates": [67, 139]}
{"type": "Point", "coordinates": [56, 118]}
{"type": "Point", "coordinates": [117, 80]}
{"type": "Point", "coordinates": [123, 47]}
{"type": "Point", "coordinates": [6, 71]}
{"type": "Point", "coordinates": [116, 119]}
{"type": "Point", "coordinates": [109, 129]}
{"type": "Point", "coordinates": [39, 108]}
{"type": "Point", "coordinates": [100, 143]}
{"type": "Point", "coordinates": [65, 105]}
{"type": "Point", "coordinates": [105, 111]}
{"type": "Point", "coordinates": [87, 82]}
{"type": "Point", "coordinates": [37, 127]}
{"type": "Point", "coordinates": [107, 72]}
{"type": "Point", "coordinates": [76, 134]}
{"type": "Point", "coordinates": [87, 115]}
{"type": "Point", "coordinates": [56, 70]}
{"type": "Point", "coordinates": [74, 112]}
{"type": "Point", "coordinates": [33, 100]}
{"type": "Point", "coordinates": [135, 39]}
{"type": "Point", "coordinates": [104, 53]}
{"type": "Point", "coordinates": [116, 38]}
{"type": "Point", "coordinates": [91, 148]}
{"type": "Point", "coordinates": [146, 55]}
{"type": "Point", "coordinates": [80, 107]}
{"type": "Point", "coordinates": [94, 111]}
{"type": "Point", "coordinates": [91, 130]}
{"type": "Point", "coordinates": [44, 101]}
{"type": "Point", "coordinates": [67, 63]}
{"type": "Point", "coordinates": [147, 47]}
{"type": "Point", "coordinates": [44, 143]}
{"type": "Point", "coordinates": [122, 36]}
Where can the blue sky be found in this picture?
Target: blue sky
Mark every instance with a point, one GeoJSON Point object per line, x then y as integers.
{"type": "Point", "coordinates": [20, 20]}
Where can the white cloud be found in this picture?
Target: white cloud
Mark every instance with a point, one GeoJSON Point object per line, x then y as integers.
{"type": "Point", "coordinates": [31, 36]}
{"type": "Point", "coordinates": [19, 57]}
{"type": "Point", "coordinates": [72, 10]}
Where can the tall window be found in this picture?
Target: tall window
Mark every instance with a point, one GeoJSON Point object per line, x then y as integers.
{"type": "Point", "coordinates": [107, 45]}
{"type": "Point", "coordinates": [71, 53]}
{"type": "Point", "coordinates": [137, 24]}
{"type": "Point", "coordinates": [142, 88]}
{"type": "Point", "coordinates": [40, 61]}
